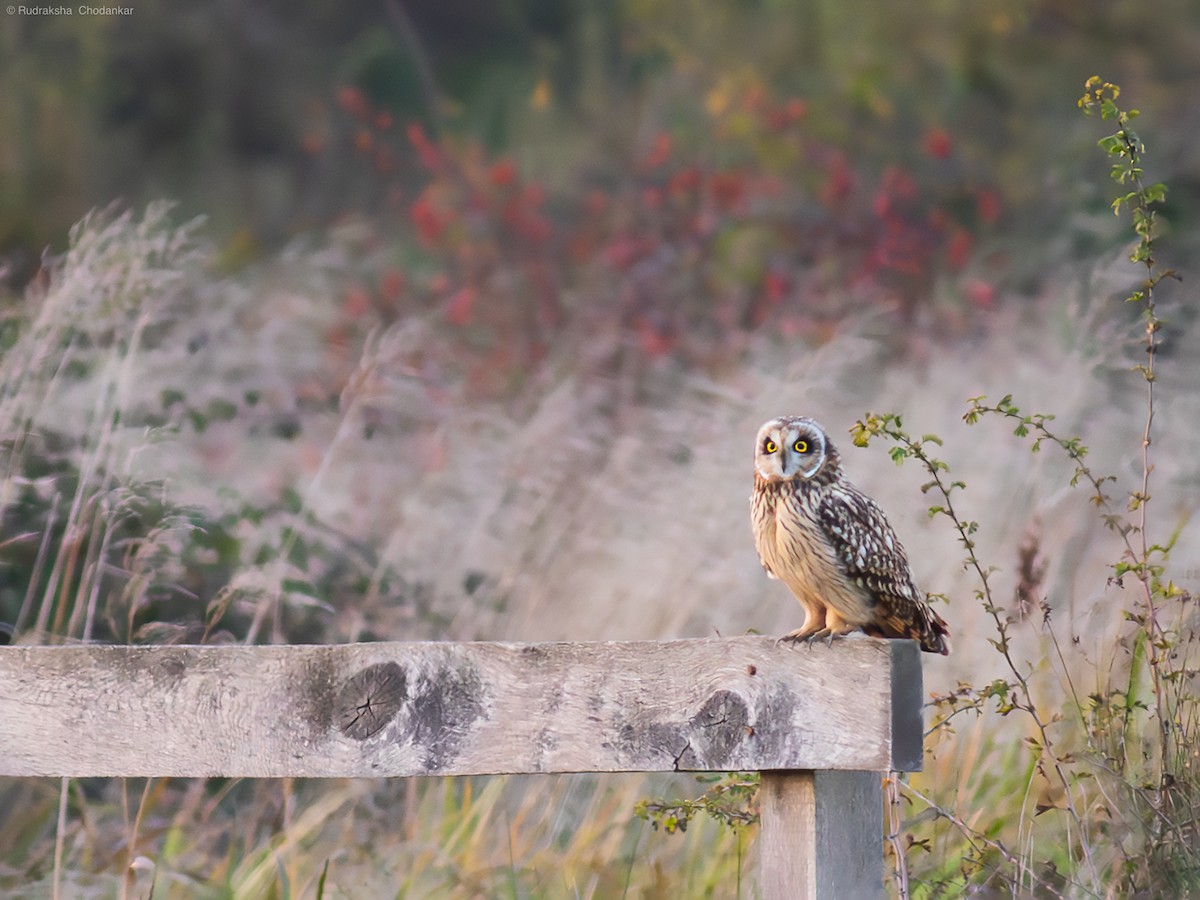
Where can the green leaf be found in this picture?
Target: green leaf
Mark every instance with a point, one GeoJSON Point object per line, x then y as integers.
{"type": "Point", "coordinates": [220, 410]}
{"type": "Point", "coordinates": [293, 502]}
{"type": "Point", "coordinates": [300, 586]}
{"type": "Point", "coordinates": [1155, 193]}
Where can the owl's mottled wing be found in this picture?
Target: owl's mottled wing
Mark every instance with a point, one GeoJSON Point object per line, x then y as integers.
{"type": "Point", "coordinates": [872, 555]}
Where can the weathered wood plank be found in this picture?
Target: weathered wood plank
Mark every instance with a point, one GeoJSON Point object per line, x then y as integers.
{"type": "Point", "coordinates": [821, 835]}
{"type": "Point", "coordinates": [386, 709]}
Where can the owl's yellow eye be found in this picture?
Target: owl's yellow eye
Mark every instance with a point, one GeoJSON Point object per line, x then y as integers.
{"type": "Point", "coordinates": [801, 446]}
{"type": "Point", "coordinates": [770, 446]}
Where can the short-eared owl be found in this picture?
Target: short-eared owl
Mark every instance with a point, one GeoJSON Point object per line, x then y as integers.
{"type": "Point", "coordinates": [830, 543]}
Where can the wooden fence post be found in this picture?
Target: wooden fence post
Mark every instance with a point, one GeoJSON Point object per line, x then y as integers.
{"type": "Point", "coordinates": [820, 835]}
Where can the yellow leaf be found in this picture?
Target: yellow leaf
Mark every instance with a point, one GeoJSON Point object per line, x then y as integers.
{"type": "Point", "coordinates": [540, 98]}
{"type": "Point", "coordinates": [716, 101]}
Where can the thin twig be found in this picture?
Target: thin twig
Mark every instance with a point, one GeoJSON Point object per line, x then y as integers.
{"type": "Point", "coordinates": [894, 824]}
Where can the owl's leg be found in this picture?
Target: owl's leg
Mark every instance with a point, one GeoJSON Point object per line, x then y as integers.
{"type": "Point", "coordinates": [814, 623]}
{"type": "Point", "coordinates": [835, 627]}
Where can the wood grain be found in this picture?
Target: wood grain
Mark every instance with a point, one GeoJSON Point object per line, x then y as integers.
{"type": "Point", "coordinates": [392, 709]}
{"type": "Point", "coordinates": [821, 835]}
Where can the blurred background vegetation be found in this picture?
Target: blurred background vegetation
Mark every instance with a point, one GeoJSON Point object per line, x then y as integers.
{"type": "Point", "coordinates": [235, 111]}
{"type": "Point", "coordinates": [457, 324]}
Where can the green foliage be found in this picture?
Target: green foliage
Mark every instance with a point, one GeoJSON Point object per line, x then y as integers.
{"type": "Point", "coordinates": [729, 799]}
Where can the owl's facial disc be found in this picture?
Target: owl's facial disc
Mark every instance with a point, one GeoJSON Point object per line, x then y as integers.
{"type": "Point", "coordinates": [789, 448]}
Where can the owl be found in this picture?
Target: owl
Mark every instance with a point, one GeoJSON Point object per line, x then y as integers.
{"type": "Point", "coordinates": [831, 544]}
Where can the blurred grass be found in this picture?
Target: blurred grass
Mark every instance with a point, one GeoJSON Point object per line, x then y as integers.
{"type": "Point", "coordinates": [496, 837]}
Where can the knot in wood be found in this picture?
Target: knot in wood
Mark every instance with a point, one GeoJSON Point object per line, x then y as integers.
{"type": "Point", "coordinates": [370, 699]}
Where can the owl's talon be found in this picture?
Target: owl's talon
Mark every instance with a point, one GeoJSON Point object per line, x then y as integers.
{"type": "Point", "coordinates": [795, 637]}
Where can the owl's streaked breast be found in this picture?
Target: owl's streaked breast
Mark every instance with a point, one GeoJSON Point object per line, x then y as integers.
{"type": "Point", "coordinates": [795, 550]}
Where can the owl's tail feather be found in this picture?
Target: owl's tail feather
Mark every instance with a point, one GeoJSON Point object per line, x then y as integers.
{"type": "Point", "coordinates": [932, 632]}
{"type": "Point", "coordinates": [917, 623]}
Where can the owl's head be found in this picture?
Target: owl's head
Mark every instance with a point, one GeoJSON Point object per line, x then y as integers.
{"type": "Point", "coordinates": [794, 448]}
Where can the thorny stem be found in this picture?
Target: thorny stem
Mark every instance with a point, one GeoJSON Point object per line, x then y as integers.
{"type": "Point", "coordinates": [894, 824]}
{"type": "Point", "coordinates": [890, 426]}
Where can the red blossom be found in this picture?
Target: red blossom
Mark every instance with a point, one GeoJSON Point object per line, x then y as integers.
{"type": "Point", "coordinates": [987, 205]}
{"type": "Point", "coordinates": [527, 223]}
{"type": "Point", "coordinates": [503, 173]}
{"type": "Point", "coordinates": [624, 251]}
{"type": "Point", "coordinates": [652, 198]}
{"type": "Point", "coordinates": [535, 228]}
{"type": "Point", "coordinates": [753, 98]}
{"type": "Point", "coordinates": [897, 184]}
{"type": "Point", "coordinates": [461, 305]}
{"type": "Point", "coordinates": [429, 221]}
{"type": "Point", "coordinates": [353, 101]}
{"type": "Point", "coordinates": [684, 182]}
{"type": "Point", "coordinates": [728, 188]}
{"type": "Point", "coordinates": [979, 292]}
{"type": "Point", "coordinates": [776, 285]}
{"type": "Point", "coordinates": [937, 143]}
{"type": "Point", "coordinates": [383, 120]}
{"type": "Point", "coordinates": [782, 117]}
{"type": "Point", "coordinates": [654, 342]}
{"type": "Point", "coordinates": [958, 249]}
{"type": "Point", "coordinates": [660, 151]}
{"type": "Point", "coordinates": [428, 153]}
{"type": "Point", "coordinates": [533, 196]}
{"type": "Point", "coordinates": [839, 181]}
{"type": "Point", "coordinates": [901, 247]}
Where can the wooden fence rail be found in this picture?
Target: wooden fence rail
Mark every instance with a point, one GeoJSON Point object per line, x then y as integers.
{"type": "Point", "coordinates": [821, 723]}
